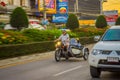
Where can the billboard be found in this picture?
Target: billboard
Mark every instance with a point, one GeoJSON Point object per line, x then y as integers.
{"type": "Point", "coordinates": [62, 12]}
{"type": "Point", "coordinates": [111, 16]}
{"type": "Point", "coordinates": [62, 6]}
{"type": "Point", "coordinates": [50, 6]}
{"type": "Point", "coordinates": [60, 18]}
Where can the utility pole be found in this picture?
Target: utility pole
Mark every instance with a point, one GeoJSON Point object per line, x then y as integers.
{"type": "Point", "coordinates": [101, 6]}
{"type": "Point", "coordinates": [44, 10]}
{"type": "Point", "coordinates": [77, 7]}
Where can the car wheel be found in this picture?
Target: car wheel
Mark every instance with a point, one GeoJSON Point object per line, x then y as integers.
{"type": "Point", "coordinates": [86, 53]}
{"type": "Point", "coordinates": [57, 55]}
{"type": "Point", "coordinates": [95, 72]}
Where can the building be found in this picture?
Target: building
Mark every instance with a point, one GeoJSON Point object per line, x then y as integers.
{"type": "Point", "coordinates": [112, 5]}
{"type": "Point", "coordinates": [12, 4]}
{"type": "Point", "coordinates": [86, 9]}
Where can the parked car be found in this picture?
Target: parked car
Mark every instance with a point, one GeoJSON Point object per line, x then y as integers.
{"type": "Point", "coordinates": [9, 27]}
{"type": "Point", "coordinates": [35, 23]}
{"type": "Point", "coordinates": [36, 26]}
{"type": "Point", "coordinates": [105, 55]}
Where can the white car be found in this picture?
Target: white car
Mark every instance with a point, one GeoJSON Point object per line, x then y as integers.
{"type": "Point", "coordinates": [34, 23]}
{"type": "Point", "coordinates": [9, 27]}
{"type": "Point", "coordinates": [36, 26]}
{"type": "Point", "coordinates": [105, 55]}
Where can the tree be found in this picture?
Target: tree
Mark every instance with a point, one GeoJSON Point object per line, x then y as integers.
{"type": "Point", "coordinates": [101, 22]}
{"type": "Point", "coordinates": [72, 22]}
{"type": "Point", "coordinates": [19, 18]}
{"type": "Point", "coordinates": [118, 21]}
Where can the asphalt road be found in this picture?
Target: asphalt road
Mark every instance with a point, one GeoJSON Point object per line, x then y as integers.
{"type": "Point", "coordinates": [49, 69]}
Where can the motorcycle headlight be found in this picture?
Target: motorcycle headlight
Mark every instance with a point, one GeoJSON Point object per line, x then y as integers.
{"type": "Point", "coordinates": [96, 52]}
{"type": "Point", "coordinates": [58, 43]}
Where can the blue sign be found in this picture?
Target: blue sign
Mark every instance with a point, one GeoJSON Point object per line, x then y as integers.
{"type": "Point", "coordinates": [62, 6]}
{"type": "Point", "coordinates": [60, 18]}
{"type": "Point", "coordinates": [62, 12]}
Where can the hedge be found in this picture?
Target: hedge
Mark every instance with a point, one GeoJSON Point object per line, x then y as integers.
{"type": "Point", "coordinates": [7, 51]}
{"type": "Point", "coordinates": [14, 50]}
{"type": "Point", "coordinates": [87, 40]}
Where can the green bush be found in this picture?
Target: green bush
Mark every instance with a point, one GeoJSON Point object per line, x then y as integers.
{"type": "Point", "coordinates": [86, 40]}
{"type": "Point", "coordinates": [101, 22]}
{"type": "Point", "coordinates": [72, 22]}
{"type": "Point", "coordinates": [7, 51]}
{"type": "Point", "coordinates": [88, 32]}
{"type": "Point", "coordinates": [19, 18]}
{"type": "Point", "coordinates": [118, 21]}
{"type": "Point", "coordinates": [12, 37]}
{"type": "Point", "coordinates": [2, 25]}
{"type": "Point", "coordinates": [41, 35]}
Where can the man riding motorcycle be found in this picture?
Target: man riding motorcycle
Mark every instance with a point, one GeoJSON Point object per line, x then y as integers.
{"type": "Point", "coordinates": [64, 38]}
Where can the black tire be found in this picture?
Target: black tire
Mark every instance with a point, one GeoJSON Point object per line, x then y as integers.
{"type": "Point", "coordinates": [86, 53]}
{"type": "Point", "coordinates": [66, 56]}
{"type": "Point", "coordinates": [95, 72]}
{"type": "Point", "coordinates": [57, 55]}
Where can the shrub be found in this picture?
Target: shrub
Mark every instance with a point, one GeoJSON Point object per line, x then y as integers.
{"type": "Point", "coordinates": [11, 37]}
{"type": "Point", "coordinates": [19, 18]}
{"type": "Point", "coordinates": [2, 25]}
{"type": "Point", "coordinates": [7, 51]}
{"type": "Point", "coordinates": [87, 32]}
{"type": "Point", "coordinates": [118, 21]}
{"type": "Point", "coordinates": [72, 22]}
{"type": "Point", "coordinates": [101, 22]}
{"type": "Point", "coordinates": [41, 35]}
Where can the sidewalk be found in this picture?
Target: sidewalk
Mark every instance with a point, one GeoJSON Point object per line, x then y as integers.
{"type": "Point", "coordinates": [29, 58]}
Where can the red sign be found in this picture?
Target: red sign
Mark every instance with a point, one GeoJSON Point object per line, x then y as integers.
{"type": "Point", "coordinates": [111, 18]}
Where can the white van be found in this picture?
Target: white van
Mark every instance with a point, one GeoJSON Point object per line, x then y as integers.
{"type": "Point", "coordinates": [105, 55]}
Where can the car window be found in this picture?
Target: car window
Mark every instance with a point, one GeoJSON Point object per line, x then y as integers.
{"type": "Point", "coordinates": [112, 35]}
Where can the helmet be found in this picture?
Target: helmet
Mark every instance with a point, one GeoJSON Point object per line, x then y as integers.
{"type": "Point", "coordinates": [63, 30]}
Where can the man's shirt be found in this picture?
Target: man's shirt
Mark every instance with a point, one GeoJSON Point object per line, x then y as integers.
{"type": "Point", "coordinates": [64, 37]}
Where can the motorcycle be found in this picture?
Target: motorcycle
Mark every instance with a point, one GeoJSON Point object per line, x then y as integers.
{"type": "Point", "coordinates": [75, 50]}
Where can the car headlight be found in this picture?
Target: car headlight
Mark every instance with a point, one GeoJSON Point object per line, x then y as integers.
{"type": "Point", "coordinates": [96, 52]}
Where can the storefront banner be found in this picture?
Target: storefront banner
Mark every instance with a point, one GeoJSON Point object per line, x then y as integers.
{"type": "Point", "coordinates": [50, 6]}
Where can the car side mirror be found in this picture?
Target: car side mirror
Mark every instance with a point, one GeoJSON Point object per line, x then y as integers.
{"type": "Point", "coordinates": [97, 38]}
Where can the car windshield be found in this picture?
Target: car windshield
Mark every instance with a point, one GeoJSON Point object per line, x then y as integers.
{"type": "Point", "coordinates": [112, 35]}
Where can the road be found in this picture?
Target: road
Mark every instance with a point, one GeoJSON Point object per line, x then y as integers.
{"type": "Point", "coordinates": [49, 69]}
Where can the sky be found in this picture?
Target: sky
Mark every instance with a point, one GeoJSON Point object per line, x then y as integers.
{"type": "Point", "coordinates": [111, 5]}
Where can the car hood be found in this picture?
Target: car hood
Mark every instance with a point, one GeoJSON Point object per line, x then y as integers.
{"type": "Point", "coordinates": [107, 45]}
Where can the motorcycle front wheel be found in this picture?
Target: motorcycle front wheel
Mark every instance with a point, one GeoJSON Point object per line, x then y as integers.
{"type": "Point", "coordinates": [57, 55]}
{"type": "Point", "coordinates": [86, 53]}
